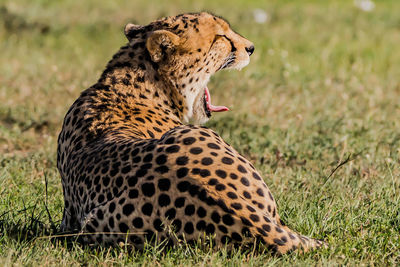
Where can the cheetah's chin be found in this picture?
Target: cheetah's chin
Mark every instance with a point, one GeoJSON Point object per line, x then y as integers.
{"type": "Point", "coordinates": [210, 107]}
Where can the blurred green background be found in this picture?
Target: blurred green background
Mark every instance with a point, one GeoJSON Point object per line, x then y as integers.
{"type": "Point", "coordinates": [323, 86]}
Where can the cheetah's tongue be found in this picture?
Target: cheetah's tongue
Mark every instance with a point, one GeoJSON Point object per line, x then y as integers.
{"type": "Point", "coordinates": [210, 106]}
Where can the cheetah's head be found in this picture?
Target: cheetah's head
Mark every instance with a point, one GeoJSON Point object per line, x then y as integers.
{"type": "Point", "coordinates": [187, 49]}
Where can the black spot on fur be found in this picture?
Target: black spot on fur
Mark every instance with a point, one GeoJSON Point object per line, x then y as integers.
{"type": "Point", "coordinates": [164, 184]}
{"type": "Point", "coordinates": [123, 227]}
{"type": "Point", "coordinates": [183, 160]}
{"type": "Point", "coordinates": [244, 181]}
{"type": "Point", "coordinates": [189, 229]}
{"type": "Point", "coordinates": [164, 200]}
{"type": "Point", "coordinates": [147, 209]}
{"type": "Point", "coordinates": [182, 172]}
{"type": "Point", "coordinates": [227, 219]}
{"type": "Point", "coordinates": [148, 189]}
{"type": "Point", "coordinates": [227, 160]}
{"type": "Point", "coordinates": [137, 222]}
{"type": "Point", "coordinates": [128, 209]}
{"type": "Point", "coordinates": [180, 202]}
{"type": "Point", "coordinates": [189, 140]}
{"type": "Point", "coordinates": [221, 173]}
{"type": "Point", "coordinates": [196, 150]}
{"type": "Point", "coordinates": [171, 213]}
{"type": "Point", "coordinates": [172, 149]}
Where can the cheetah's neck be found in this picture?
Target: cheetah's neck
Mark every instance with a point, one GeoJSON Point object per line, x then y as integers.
{"type": "Point", "coordinates": [131, 99]}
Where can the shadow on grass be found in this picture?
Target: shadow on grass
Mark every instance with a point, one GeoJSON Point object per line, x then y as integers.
{"type": "Point", "coordinates": [25, 225]}
{"type": "Point", "coordinates": [33, 225]}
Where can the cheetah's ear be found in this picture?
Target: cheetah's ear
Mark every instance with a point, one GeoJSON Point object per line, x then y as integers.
{"type": "Point", "coordinates": [161, 44]}
{"type": "Point", "coordinates": [131, 30]}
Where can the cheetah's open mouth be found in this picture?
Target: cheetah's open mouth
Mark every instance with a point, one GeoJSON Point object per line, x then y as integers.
{"type": "Point", "coordinates": [210, 107]}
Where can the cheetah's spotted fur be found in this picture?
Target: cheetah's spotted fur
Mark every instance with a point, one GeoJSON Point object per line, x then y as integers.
{"type": "Point", "coordinates": [131, 170]}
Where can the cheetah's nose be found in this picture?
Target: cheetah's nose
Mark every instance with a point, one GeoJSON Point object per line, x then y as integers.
{"type": "Point", "coordinates": [250, 50]}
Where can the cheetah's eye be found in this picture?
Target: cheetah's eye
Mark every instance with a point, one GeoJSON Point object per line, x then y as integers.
{"type": "Point", "coordinates": [233, 48]}
{"type": "Point", "coordinates": [219, 36]}
{"type": "Point", "coordinates": [216, 38]}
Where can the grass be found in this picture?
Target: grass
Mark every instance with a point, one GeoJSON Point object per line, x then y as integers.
{"type": "Point", "coordinates": [323, 86]}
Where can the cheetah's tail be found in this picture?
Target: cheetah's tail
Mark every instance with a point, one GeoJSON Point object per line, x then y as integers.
{"type": "Point", "coordinates": [281, 239]}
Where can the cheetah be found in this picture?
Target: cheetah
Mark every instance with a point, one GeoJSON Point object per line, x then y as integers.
{"type": "Point", "coordinates": [133, 168]}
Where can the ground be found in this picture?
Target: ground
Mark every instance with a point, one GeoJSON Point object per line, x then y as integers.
{"type": "Point", "coordinates": [321, 91]}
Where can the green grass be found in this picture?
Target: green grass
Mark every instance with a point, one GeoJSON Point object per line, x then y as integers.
{"type": "Point", "coordinates": [323, 86]}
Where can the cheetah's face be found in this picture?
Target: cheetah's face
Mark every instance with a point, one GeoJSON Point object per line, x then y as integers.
{"type": "Point", "coordinates": [189, 49]}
